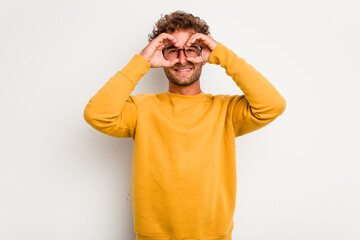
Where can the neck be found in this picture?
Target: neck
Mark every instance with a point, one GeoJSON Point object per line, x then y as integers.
{"type": "Point", "coordinates": [190, 90]}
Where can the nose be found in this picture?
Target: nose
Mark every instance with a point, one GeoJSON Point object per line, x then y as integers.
{"type": "Point", "coordinates": [182, 58]}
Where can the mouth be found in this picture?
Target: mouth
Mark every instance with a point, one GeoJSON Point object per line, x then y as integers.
{"type": "Point", "coordinates": [183, 70]}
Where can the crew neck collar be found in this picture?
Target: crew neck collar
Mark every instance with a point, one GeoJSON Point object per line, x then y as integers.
{"type": "Point", "coordinates": [176, 95]}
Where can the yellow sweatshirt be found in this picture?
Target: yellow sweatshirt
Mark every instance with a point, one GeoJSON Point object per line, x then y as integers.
{"type": "Point", "coordinates": [184, 160]}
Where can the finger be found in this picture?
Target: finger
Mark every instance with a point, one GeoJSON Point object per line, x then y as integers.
{"type": "Point", "coordinates": [203, 40]}
{"type": "Point", "coordinates": [171, 63]}
{"type": "Point", "coordinates": [161, 46]}
{"type": "Point", "coordinates": [165, 36]}
{"type": "Point", "coordinates": [195, 59]}
{"type": "Point", "coordinates": [158, 45]}
{"type": "Point", "coordinates": [198, 37]}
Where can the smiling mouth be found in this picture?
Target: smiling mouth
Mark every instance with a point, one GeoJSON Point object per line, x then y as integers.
{"type": "Point", "coordinates": [183, 70]}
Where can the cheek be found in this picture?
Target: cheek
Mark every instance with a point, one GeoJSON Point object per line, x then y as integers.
{"type": "Point", "coordinates": [199, 66]}
{"type": "Point", "coordinates": [168, 73]}
{"type": "Point", "coordinates": [167, 70]}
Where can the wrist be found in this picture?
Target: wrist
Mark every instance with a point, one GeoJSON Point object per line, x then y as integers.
{"type": "Point", "coordinates": [213, 45]}
{"type": "Point", "coordinates": [144, 56]}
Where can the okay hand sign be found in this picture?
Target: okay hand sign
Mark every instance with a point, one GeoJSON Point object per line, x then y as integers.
{"type": "Point", "coordinates": [205, 41]}
{"type": "Point", "coordinates": [153, 52]}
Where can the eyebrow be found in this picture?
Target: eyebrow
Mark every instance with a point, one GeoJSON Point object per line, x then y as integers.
{"type": "Point", "coordinates": [192, 45]}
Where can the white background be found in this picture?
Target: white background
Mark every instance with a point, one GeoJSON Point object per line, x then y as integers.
{"type": "Point", "coordinates": [298, 177]}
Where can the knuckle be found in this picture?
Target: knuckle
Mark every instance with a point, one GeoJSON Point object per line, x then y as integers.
{"type": "Point", "coordinates": [162, 35]}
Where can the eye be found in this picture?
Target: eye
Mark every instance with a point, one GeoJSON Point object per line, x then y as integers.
{"type": "Point", "coordinates": [171, 50]}
{"type": "Point", "coordinates": [193, 51]}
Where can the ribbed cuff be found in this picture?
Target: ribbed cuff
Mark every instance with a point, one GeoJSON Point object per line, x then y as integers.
{"type": "Point", "coordinates": [219, 50]}
{"type": "Point", "coordinates": [136, 68]}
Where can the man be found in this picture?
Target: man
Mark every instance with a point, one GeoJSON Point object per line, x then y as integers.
{"type": "Point", "coordinates": [184, 160]}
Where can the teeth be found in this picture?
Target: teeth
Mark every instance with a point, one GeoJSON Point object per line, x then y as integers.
{"type": "Point", "coordinates": [182, 70]}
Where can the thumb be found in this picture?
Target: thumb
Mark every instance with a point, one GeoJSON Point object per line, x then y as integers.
{"type": "Point", "coordinates": [195, 59]}
{"type": "Point", "coordinates": [173, 62]}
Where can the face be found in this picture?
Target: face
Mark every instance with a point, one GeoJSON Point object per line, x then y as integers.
{"type": "Point", "coordinates": [183, 73]}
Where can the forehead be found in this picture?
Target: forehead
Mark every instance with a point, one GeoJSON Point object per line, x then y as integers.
{"type": "Point", "coordinates": [182, 36]}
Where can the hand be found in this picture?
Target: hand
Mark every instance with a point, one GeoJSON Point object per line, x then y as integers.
{"type": "Point", "coordinates": [205, 41]}
{"type": "Point", "coordinates": [153, 52]}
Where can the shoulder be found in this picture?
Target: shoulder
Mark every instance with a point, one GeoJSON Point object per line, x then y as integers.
{"type": "Point", "coordinates": [143, 97]}
{"type": "Point", "coordinates": [226, 98]}
{"type": "Point", "coordinates": [148, 98]}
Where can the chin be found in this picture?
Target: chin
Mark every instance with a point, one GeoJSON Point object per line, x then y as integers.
{"type": "Point", "coordinates": [189, 80]}
{"type": "Point", "coordinates": [182, 83]}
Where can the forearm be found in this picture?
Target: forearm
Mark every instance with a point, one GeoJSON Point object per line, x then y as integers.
{"type": "Point", "coordinates": [104, 109]}
{"type": "Point", "coordinates": [264, 100]}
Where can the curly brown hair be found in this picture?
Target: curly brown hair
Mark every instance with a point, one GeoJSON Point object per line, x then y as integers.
{"type": "Point", "coordinates": [178, 20]}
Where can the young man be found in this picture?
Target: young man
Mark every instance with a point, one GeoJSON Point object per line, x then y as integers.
{"type": "Point", "coordinates": [184, 160]}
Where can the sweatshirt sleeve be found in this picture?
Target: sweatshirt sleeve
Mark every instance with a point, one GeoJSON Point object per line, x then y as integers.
{"type": "Point", "coordinates": [261, 102]}
{"type": "Point", "coordinates": [112, 110]}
